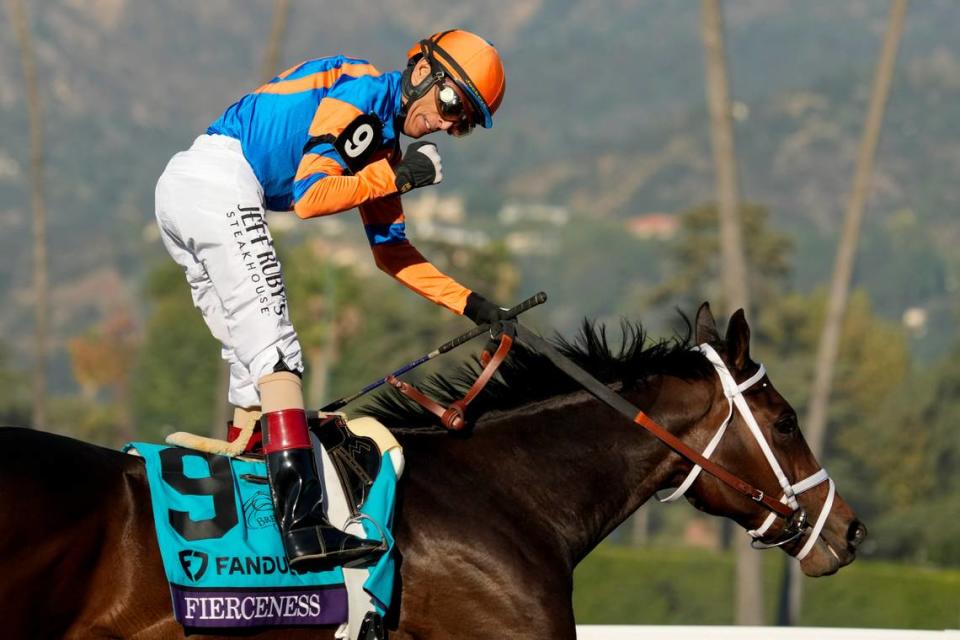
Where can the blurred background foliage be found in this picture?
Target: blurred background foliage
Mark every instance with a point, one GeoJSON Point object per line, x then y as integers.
{"type": "Point", "coordinates": [689, 586]}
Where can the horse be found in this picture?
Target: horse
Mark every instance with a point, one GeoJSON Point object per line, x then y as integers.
{"type": "Point", "coordinates": [490, 522]}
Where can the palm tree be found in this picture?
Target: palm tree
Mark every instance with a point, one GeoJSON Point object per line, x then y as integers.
{"type": "Point", "coordinates": [21, 24]}
{"type": "Point", "coordinates": [829, 346]}
{"type": "Point", "coordinates": [733, 261]}
{"type": "Point", "coordinates": [278, 30]}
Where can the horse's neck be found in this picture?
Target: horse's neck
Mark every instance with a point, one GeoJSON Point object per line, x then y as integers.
{"type": "Point", "coordinates": [585, 468]}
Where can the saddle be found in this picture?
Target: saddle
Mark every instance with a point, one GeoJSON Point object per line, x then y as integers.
{"type": "Point", "coordinates": [354, 448]}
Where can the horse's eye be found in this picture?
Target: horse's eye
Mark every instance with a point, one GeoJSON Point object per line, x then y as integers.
{"type": "Point", "coordinates": [787, 424]}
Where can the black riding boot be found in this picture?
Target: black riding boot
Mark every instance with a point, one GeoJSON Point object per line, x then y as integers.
{"type": "Point", "coordinates": [309, 540]}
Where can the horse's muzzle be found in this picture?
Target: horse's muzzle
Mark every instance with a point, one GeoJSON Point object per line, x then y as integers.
{"type": "Point", "coordinates": [856, 533]}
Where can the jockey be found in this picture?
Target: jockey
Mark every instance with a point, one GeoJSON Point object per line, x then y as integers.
{"type": "Point", "coordinates": [320, 138]}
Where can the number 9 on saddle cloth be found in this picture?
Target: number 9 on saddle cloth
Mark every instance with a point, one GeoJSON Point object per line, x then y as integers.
{"type": "Point", "coordinates": [221, 547]}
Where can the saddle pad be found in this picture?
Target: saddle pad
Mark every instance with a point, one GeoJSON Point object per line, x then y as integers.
{"type": "Point", "coordinates": [222, 552]}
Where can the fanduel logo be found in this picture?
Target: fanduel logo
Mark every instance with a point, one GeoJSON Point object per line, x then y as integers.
{"type": "Point", "coordinates": [186, 557]}
{"type": "Point", "coordinates": [251, 565]}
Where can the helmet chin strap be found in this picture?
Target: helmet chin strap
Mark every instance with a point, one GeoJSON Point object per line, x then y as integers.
{"type": "Point", "coordinates": [413, 92]}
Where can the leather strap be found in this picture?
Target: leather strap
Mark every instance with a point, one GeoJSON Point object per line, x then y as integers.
{"type": "Point", "coordinates": [414, 394]}
{"type": "Point", "coordinates": [491, 367]}
{"type": "Point", "coordinates": [452, 417]}
{"type": "Point", "coordinates": [711, 467]}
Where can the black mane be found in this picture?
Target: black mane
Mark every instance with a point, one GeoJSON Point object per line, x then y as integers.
{"type": "Point", "coordinates": [527, 376]}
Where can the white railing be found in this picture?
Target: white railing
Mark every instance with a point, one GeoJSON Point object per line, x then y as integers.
{"type": "Point", "coordinates": [612, 632]}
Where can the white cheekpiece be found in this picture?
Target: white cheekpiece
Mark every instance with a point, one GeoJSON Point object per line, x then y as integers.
{"type": "Point", "coordinates": [734, 394]}
{"type": "Point", "coordinates": [209, 205]}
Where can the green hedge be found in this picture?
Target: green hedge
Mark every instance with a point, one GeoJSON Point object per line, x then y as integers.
{"type": "Point", "coordinates": [623, 585]}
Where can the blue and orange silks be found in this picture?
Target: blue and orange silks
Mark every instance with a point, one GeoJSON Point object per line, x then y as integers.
{"type": "Point", "coordinates": [314, 102]}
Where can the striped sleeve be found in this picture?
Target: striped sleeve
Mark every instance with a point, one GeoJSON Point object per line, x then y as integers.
{"type": "Point", "coordinates": [384, 223]}
{"type": "Point", "coordinates": [320, 186]}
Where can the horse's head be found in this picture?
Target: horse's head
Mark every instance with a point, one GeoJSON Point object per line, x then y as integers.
{"type": "Point", "coordinates": [762, 445]}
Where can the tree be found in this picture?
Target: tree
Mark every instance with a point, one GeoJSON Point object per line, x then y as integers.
{"type": "Point", "coordinates": [736, 291]}
{"type": "Point", "coordinates": [840, 285]}
{"type": "Point", "coordinates": [355, 325]}
{"type": "Point", "coordinates": [15, 403]}
{"type": "Point", "coordinates": [874, 361]}
{"type": "Point", "coordinates": [174, 382]}
{"type": "Point", "coordinates": [735, 287]}
{"type": "Point", "coordinates": [907, 453]}
{"type": "Point", "coordinates": [695, 266]}
{"type": "Point", "coordinates": [323, 308]}
{"type": "Point", "coordinates": [103, 358]}
{"type": "Point", "coordinates": [21, 23]}
{"type": "Point", "coordinates": [278, 31]}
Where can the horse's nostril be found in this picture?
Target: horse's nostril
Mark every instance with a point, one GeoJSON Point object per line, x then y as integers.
{"type": "Point", "coordinates": [856, 533]}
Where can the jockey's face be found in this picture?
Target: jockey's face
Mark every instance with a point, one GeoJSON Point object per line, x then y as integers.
{"type": "Point", "coordinates": [423, 115]}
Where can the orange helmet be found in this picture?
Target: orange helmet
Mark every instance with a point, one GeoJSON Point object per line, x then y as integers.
{"type": "Point", "coordinates": [467, 59]}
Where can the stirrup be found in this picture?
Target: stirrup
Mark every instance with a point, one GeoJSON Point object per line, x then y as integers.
{"type": "Point", "coordinates": [372, 627]}
{"type": "Point", "coordinates": [303, 554]}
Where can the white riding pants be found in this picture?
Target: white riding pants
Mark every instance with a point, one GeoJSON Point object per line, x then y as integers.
{"type": "Point", "coordinates": [211, 215]}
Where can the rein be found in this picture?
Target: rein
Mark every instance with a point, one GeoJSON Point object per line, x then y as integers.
{"type": "Point", "coordinates": [452, 416]}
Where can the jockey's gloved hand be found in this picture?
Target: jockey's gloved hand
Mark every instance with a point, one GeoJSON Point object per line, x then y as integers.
{"type": "Point", "coordinates": [482, 311]}
{"type": "Point", "coordinates": [420, 167]}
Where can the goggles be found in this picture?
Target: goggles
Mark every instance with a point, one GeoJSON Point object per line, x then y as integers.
{"type": "Point", "coordinates": [453, 107]}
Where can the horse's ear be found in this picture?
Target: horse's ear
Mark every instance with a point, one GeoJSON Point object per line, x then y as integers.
{"type": "Point", "coordinates": [706, 326]}
{"type": "Point", "coordinates": [738, 340]}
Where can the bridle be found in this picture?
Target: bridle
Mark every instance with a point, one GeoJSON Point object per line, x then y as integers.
{"type": "Point", "coordinates": [787, 507]}
{"type": "Point", "coordinates": [797, 522]}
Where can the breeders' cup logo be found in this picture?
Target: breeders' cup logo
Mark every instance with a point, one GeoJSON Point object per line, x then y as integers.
{"type": "Point", "coordinates": [194, 571]}
{"type": "Point", "coordinates": [258, 511]}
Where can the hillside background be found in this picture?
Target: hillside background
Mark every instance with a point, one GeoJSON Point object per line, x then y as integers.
{"type": "Point", "coordinates": [604, 115]}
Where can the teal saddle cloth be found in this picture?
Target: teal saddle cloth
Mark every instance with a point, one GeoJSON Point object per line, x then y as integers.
{"type": "Point", "coordinates": [221, 547]}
